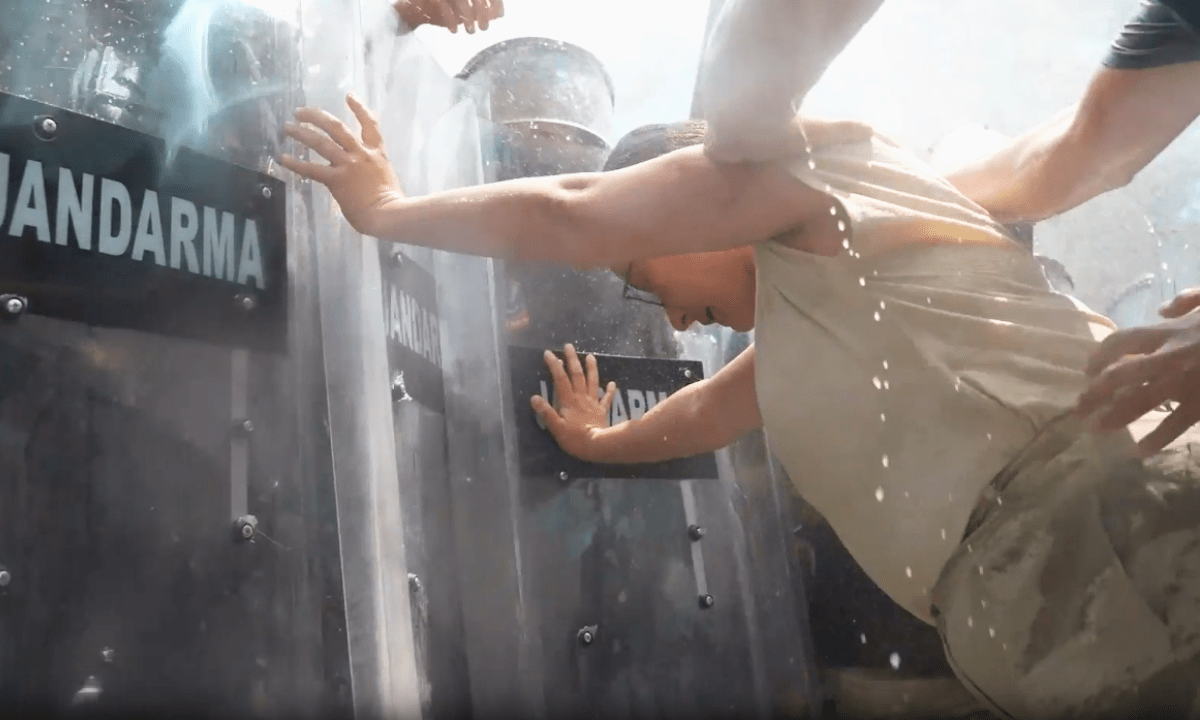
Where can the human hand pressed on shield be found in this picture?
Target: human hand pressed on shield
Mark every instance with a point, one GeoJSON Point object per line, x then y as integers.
{"type": "Point", "coordinates": [359, 175]}
{"type": "Point", "coordinates": [1137, 370]}
{"type": "Point", "coordinates": [580, 413]}
{"type": "Point", "coordinates": [450, 13]}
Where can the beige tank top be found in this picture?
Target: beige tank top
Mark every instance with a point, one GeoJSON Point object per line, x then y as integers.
{"type": "Point", "coordinates": [898, 378]}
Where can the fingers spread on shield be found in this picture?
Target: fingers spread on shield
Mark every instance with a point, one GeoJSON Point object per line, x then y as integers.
{"type": "Point", "coordinates": [547, 414]}
{"type": "Point", "coordinates": [609, 394]}
{"type": "Point", "coordinates": [562, 384]}
{"type": "Point", "coordinates": [335, 128]}
{"type": "Point", "coordinates": [319, 143]}
{"type": "Point", "coordinates": [466, 15]}
{"type": "Point", "coordinates": [371, 134]}
{"type": "Point", "coordinates": [574, 369]}
{"type": "Point", "coordinates": [311, 171]}
{"type": "Point", "coordinates": [593, 377]}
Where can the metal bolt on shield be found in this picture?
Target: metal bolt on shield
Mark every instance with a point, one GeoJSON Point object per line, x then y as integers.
{"type": "Point", "coordinates": [695, 532]}
{"type": "Point", "coordinates": [46, 128]}
{"type": "Point", "coordinates": [246, 302]}
{"type": "Point", "coordinates": [245, 527]}
{"type": "Point", "coordinates": [706, 601]}
{"type": "Point", "coordinates": [564, 477]}
{"type": "Point", "coordinates": [5, 578]}
{"type": "Point", "coordinates": [587, 635]}
{"type": "Point", "coordinates": [687, 374]}
{"type": "Point", "coordinates": [14, 305]}
{"type": "Point", "coordinates": [243, 428]}
{"type": "Point", "coordinates": [266, 192]}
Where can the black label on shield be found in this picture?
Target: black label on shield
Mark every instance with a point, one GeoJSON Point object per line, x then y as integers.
{"type": "Point", "coordinates": [99, 226]}
{"type": "Point", "coordinates": [413, 331]}
{"type": "Point", "coordinates": [642, 383]}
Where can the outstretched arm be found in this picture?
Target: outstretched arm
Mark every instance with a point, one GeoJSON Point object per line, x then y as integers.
{"type": "Point", "coordinates": [761, 58]}
{"type": "Point", "coordinates": [704, 416]}
{"type": "Point", "coordinates": [679, 203]}
{"type": "Point", "coordinates": [1132, 110]}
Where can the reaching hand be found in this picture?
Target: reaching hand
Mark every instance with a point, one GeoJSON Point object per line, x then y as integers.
{"type": "Point", "coordinates": [450, 13]}
{"type": "Point", "coordinates": [581, 413]}
{"type": "Point", "coordinates": [1136, 370]}
{"type": "Point", "coordinates": [359, 175]}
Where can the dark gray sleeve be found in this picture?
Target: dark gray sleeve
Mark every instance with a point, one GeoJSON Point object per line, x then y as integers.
{"type": "Point", "coordinates": [1155, 37]}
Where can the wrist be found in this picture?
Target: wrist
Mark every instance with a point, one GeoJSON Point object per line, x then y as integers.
{"type": "Point", "coordinates": [601, 444]}
{"type": "Point", "coordinates": [384, 219]}
{"type": "Point", "coordinates": [411, 16]}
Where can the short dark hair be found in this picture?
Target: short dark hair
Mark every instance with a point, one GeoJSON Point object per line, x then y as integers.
{"type": "Point", "coordinates": [650, 141]}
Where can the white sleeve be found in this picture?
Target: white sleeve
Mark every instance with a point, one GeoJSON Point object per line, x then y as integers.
{"type": "Point", "coordinates": [760, 60]}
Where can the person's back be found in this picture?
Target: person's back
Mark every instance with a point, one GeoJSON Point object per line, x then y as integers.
{"type": "Point", "coordinates": [927, 355]}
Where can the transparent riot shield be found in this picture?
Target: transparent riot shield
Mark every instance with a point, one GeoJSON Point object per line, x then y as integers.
{"type": "Point", "coordinates": [199, 501]}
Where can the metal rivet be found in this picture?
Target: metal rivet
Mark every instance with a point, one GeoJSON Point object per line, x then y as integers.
{"type": "Point", "coordinates": [687, 374]}
{"type": "Point", "coordinates": [245, 527]}
{"type": "Point", "coordinates": [246, 302]}
{"type": "Point", "coordinates": [14, 305]}
{"type": "Point", "coordinates": [586, 635]}
{"type": "Point", "coordinates": [89, 693]}
{"type": "Point", "coordinates": [107, 654]}
{"type": "Point", "coordinates": [706, 601]}
{"type": "Point", "coordinates": [414, 583]}
{"type": "Point", "coordinates": [46, 128]}
{"type": "Point", "coordinates": [563, 476]}
{"type": "Point", "coordinates": [695, 532]}
{"type": "Point", "coordinates": [5, 578]}
{"type": "Point", "coordinates": [266, 192]}
{"type": "Point", "coordinates": [242, 428]}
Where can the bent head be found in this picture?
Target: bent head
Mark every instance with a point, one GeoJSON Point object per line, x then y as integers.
{"type": "Point", "coordinates": [710, 287]}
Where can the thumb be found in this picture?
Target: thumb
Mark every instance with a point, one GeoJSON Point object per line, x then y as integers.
{"type": "Point", "coordinates": [548, 415]}
{"type": "Point", "coordinates": [1181, 304]}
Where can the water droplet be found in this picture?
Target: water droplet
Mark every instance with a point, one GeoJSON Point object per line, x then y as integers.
{"type": "Point", "coordinates": [886, 385]}
{"type": "Point", "coordinates": [980, 569]}
{"type": "Point", "coordinates": [989, 435]}
{"type": "Point", "coordinates": [841, 226]}
{"type": "Point", "coordinates": [999, 500]}
{"type": "Point", "coordinates": [943, 533]}
{"type": "Point", "coordinates": [969, 549]}
{"type": "Point", "coordinates": [1004, 646]}
{"type": "Point", "coordinates": [863, 638]}
{"type": "Point", "coordinates": [1164, 266]}
{"type": "Point", "coordinates": [928, 301]}
{"type": "Point", "coordinates": [950, 497]}
{"type": "Point", "coordinates": [992, 632]}
{"type": "Point", "coordinates": [970, 621]}
{"type": "Point", "coordinates": [882, 417]}
{"type": "Point", "coordinates": [862, 282]}
{"type": "Point", "coordinates": [895, 661]}
{"type": "Point", "coordinates": [879, 494]}
{"type": "Point", "coordinates": [833, 209]}
{"type": "Point", "coordinates": [885, 364]}
{"type": "Point", "coordinates": [846, 243]}
{"type": "Point", "coordinates": [878, 383]}
{"type": "Point", "coordinates": [905, 493]}
{"type": "Point", "coordinates": [885, 460]}
{"type": "Point", "coordinates": [812, 164]}
{"type": "Point", "coordinates": [908, 571]}
{"type": "Point", "coordinates": [882, 305]}
{"type": "Point", "coordinates": [876, 316]}
{"type": "Point", "coordinates": [983, 604]}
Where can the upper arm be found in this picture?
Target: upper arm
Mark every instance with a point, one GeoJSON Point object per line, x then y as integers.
{"type": "Point", "coordinates": [684, 202]}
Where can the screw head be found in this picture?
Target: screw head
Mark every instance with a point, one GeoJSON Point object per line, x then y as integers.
{"type": "Point", "coordinates": [247, 531]}
{"type": "Point", "coordinates": [266, 192]}
{"type": "Point", "coordinates": [414, 583]}
{"type": "Point", "coordinates": [107, 654]}
{"type": "Point", "coordinates": [586, 635]}
{"type": "Point", "coordinates": [5, 578]}
{"type": "Point", "coordinates": [46, 128]}
{"type": "Point", "coordinates": [687, 374]}
{"type": "Point", "coordinates": [245, 527]}
{"type": "Point", "coordinates": [706, 601]}
{"type": "Point", "coordinates": [563, 476]}
{"type": "Point", "coordinates": [695, 532]}
{"type": "Point", "coordinates": [14, 305]}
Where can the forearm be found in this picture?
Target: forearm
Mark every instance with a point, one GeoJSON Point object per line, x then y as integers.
{"type": "Point", "coordinates": [1046, 171]}
{"type": "Point", "coordinates": [700, 418]}
{"type": "Point", "coordinates": [761, 58]}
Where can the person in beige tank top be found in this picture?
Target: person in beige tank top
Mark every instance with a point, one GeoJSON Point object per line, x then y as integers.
{"type": "Point", "coordinates": [912, 368]}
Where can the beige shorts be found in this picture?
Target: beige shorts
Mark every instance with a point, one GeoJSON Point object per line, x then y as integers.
{"type": "Point", "coordinates": [1078, 595]}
